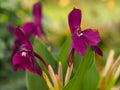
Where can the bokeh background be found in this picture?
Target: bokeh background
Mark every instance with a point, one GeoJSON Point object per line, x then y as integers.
{"type": "Point", "coordinates": [103, 15]}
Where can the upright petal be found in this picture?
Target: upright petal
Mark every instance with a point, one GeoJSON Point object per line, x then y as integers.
{"type": "Point", "coordinates": [79, 44]}
{"type": "Point", "coordinates": [37, 12]}
{"type": "Point", "coordinates": [91, 36]}
{"type": "Point", "coordinates": [21, 36]}
{"type": "Point", "coordinates": [74, 19]}
{"type": "Point", "coordinates": [29, 29]}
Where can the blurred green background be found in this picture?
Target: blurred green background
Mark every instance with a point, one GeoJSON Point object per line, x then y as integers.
{"type": "Point", "coordinates": [103, 15]}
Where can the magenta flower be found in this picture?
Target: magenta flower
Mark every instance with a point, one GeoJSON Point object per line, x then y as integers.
{"type": "Point", "coordinates": [35, 27]}
{"type": "Point", "coordinates": [25, 57]}
{"type": "Point", "coordinates": [17, 43]}
{"type": "Point", "coordinates": [30, 28]}
{"type": "Point", "coordinates": [80, 38]}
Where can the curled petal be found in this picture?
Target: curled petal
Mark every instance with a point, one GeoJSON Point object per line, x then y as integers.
{"type": "Point", "coordinates": [98, 50]}
{"type": "Point", "coordinates": [71, 56]}
{"type": "Point", "coordinates": [28, 28]}
{"type": "Point", "coordinates": [79, 44]}
{"type": "Point", "coordinates": [74, 19]}
{"type": "Point", "coordinates": [37, 12]}
{"type": "Point", "coordinates": [91, 36]}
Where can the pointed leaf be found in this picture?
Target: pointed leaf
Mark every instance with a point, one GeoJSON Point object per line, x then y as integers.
{"type": "Point", "coordinates": [42, 50]}
{"type": "Point", "coordinates": [35, 82]}
{"type": "Point", "coordinates": [91, 79]}
{"type": "Point", "coordinates": [63, 56]}
{"type": "Point", "coordinates": [85, 64]}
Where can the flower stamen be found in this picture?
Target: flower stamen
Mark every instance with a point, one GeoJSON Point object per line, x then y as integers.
{"type": "Point", "coordinates": [78, 32]}
{"type": "Point", "coordinates": [24, 54]}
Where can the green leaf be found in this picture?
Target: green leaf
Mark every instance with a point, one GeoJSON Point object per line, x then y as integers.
{"type": "Point", "coordinates": [84, 66]}
{"type": "Point", "coordinates": [42, 50]}
{"type": "Point", "coordinates": [63, 56]}
{"type": "Point", "coordinates": [76, 62]}
{"type": "Point", "coordinates": [91, 79]}
{"type": "Point", "coordinates": [35, 82]}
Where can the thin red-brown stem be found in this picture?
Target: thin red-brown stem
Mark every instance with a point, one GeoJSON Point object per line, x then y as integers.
{"type": "Point", "coordinates": [41, 59]}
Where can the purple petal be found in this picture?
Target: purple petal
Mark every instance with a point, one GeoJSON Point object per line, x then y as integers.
{"type": "Point", "coordinates": [29, 29]}
{"type": "Point", "coordinates": [26, 61]}
{"type": "Point", "coordinates": [16, 46]}
{"type": "Point", "coordinates": [91, 36]}
{"type": "Point", "coordinates": [37, 12]}
{"type": "Point", "coordinates": [37, 67]}
{"type": "Point", "coordinates": [79, 44]}
{"type": "Point", "coordinates": [98, 50]}
{"type": "Point", "coordinates": [71, 56]}
{"type": "Point", "coordinates": [74, 19]}
{"type": "Point", "coordinates": [39, 31]}
{"type": "Point", "coordinates": [21, 36]}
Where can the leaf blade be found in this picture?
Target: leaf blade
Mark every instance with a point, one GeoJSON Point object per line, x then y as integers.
{"type": "Point", "coordinates": [84, 66]}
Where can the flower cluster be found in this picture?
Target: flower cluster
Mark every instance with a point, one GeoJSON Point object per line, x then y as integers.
{"type": "Point", "coordinates": [24, 55]}
{"type": "Point", "coordinates": [33, 28]}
